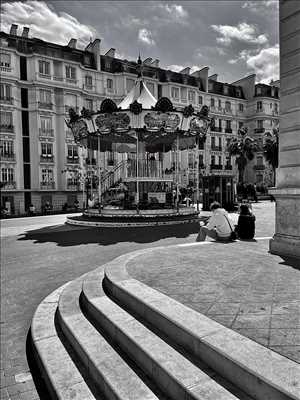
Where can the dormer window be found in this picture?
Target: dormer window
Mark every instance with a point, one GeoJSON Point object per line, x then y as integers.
{"type": "Point", "coordinates": [44, 67]}
{"type": "Point", "coordinates": [70, 72]}
{"type": "Point", "coordinates": [226, 89]}
{"type": "Point", "coordinates": [110, 84]}
{"type": "Point", "coordinates": [88, 81]}
{"type": "Point", "coordinates": [258, 90]}
{"type": "Point", "coordinates": [175, 93]}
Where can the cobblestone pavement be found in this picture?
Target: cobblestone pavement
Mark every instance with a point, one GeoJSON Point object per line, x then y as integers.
{"type": "Point", "coordinates": [40, 254]}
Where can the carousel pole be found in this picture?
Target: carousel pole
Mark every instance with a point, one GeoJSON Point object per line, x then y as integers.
{"type": "Point", "coordinates": [99, 173]}
{"type": "Point", "coordinates": [177, 171]}
{"type": "Point", "coordinates": [137, 172]}
{"type": "Point", "coordinates": [91, 171]}
{"type": "Point", "coordinates": [197, 172]}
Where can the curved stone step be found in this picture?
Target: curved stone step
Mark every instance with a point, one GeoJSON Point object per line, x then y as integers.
{"type": "Point", "coordinates": [257, 370]}
{"type": "Point", "coordinates": [103, 364]}
{"type": "Point", "coordinates": [61, 376]}
{"type": "Point", "coordinates": [172, 372]}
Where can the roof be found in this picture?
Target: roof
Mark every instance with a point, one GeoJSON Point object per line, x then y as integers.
{"type": "Point", "coordinates": [139, 93]}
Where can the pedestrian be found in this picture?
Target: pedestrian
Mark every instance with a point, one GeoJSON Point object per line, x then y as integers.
{"type": "Point", "coordinates": [245, 228]}
{"type": "Point", "coordinates": [219, 226]}
{"type": "Point", "coordinates": [31, 209]}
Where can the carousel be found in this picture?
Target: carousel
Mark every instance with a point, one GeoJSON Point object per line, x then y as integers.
{"type": "Point", "coordinates": [139, 190]}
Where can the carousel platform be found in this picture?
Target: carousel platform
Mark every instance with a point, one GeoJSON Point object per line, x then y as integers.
{"type": "Point", "coordinates": [116, 217]}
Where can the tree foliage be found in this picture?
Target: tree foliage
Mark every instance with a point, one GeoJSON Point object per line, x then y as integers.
{"type": "Point", "coordinates": [271, 148]}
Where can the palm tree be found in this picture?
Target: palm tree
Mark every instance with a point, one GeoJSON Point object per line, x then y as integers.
{"type": "Point", "coordinates": [271, 150]}
{"type": "Point", "coordinates": [244, 148]}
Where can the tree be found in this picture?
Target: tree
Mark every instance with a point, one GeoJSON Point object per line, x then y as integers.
{"type": "Point", "coordinates": [271, 150]}
{"type": "Point", "coordinates": [244, 148]}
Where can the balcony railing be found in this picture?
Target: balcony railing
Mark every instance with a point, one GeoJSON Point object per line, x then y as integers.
{"type": "Point", "coordinates": [72, 81]}
{"type": "Point", "coordinates": [73, 160]}
{"type": "Point", "coordinates": [6, 100]}
{"type": "Point", "coordinates": [259, 130]}
{"type": "Point", "coordinates": [44, 76]}
{"type": "Point", "coordinates": [46, 132]}
{"type": "Point", "coordinates": [47, 158]}
{"type": "Point", "coordinates": [58, 78]}
{"type": "Point", "coordinates": [5, 69]}
{"type": "Point", "coordinates": [8, 157]}
{"type": "Point", "coordinates": [47, 185]}
{"type": "Point", "coordinates": [6, 128]}
{"type": "Point", "coordinates": [228, 130]}
{"type": "Point", "coordinates": [228, 167]}
{"type": "Point", "coordinates": [260, 110]}
{"type": "Point", "coordinates": [8, 185]}
{"type": "Point", "coordinates": [259, 167]}
{"type": "Point", "coordinates": [45, 106]}
{"type": "Point", "coordinates": [216, 148]}
{"type": "Point", "coordinates": [216, 166]}
{"type": "Point", "coordinates": [88, 87]}
{"type": "Point", "coordinates": [215, 129]}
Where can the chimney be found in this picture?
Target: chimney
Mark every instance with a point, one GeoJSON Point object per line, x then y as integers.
{"type": "Point", "coordinates": [185, 71]}
{"type": "Point", "coordinates": [213, 77]}
{"type": "Point", "coordinates": [111, 53]}
{"type": "Point", "coordinates": [13, 30]}
{"type": "Point", "coordinates": [72, 43]}
{"type": "Point", "coordinates": [155, 63]}
{"type": "Point", "coordinates": [95, 49]}
{"type": "Point", "coordinates": [25, 32]}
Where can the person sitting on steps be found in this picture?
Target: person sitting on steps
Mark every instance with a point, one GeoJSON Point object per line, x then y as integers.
{"type": "Point", "coordinates": [246, 223]}
{"type": "Point", "coordinates": [219, 226]}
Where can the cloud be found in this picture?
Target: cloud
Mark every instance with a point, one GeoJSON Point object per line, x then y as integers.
{"type": "Point", "coordinates": [45, 23]}
{"type": "Point", "coordinates": [145, 36]}
{"type": "Point", "coordinates": [262, 6]}
{"type": "Point", "coordinates": [265, 64]}
{"type": "Point", "coordinates": [178, 68]}
{"type": "Point", "coordinates": [177, 11]}
{"type": "Point", "coordinates": [169, 13]}
{"type": "Point", "coordinates": [243, 32]}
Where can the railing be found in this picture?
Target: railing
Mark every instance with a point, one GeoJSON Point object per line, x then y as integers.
{"type": "Point", "coordinates": [88, 87]}
{"type": "Point", "coordinates": [91, 161]}
{"type": "Point", "coordinates": [259, 167]}
{"type": "Point", "coordinates": [5, 69]}
{"type": "Point", "coordinates": [58, 78]}
{"type": "Point", "coordinates": [6, 128]}
{"type": "Point", "coordinates": [7, 100]}
{"type": "Point", "coordinates": [110, 178]}
{"type": "Point", "coordinates": [228, 167]}
{"type": "Point", "coordinates": [47, 158]}
{"type": "Point", "coordinates": [44, 76]}
{"type": "Point", "coordinates": [228, 130]}
{"type": "Point", "coordinates": [260, 110]}
{"type": "Point", "coordinates": [215, 129]}
{"type": "Point", "coordinates": [46, 132]}
{"type": "Point", "coordinates": [73, 160]}
{"type": "Point", "coordinates": [45, 106]}
{"type": "Point", "coordinates": [146, 169]}
{"type": "Point", "coordinates": [8, 157]}
{"type": "Point", "coordinates": [8, 185]}
{"type": "Point", "coordinates": [216, 166]}
{"type": "Point", "coordinates": [216, 148]}
{"type": "Point", "coordinates": [47, 185]}
{"type": "Point", "coordinates": [259, 130]}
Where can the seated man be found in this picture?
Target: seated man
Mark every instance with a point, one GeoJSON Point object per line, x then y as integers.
{"type": "Point", "coordinates": [219, 226]}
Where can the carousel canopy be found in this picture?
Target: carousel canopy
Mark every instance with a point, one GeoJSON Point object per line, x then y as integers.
{"type": "Point", "coordinates": [139, 93]}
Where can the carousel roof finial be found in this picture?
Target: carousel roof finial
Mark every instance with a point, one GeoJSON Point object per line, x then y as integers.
{"type": "Point", "coordinates": [140, 66]}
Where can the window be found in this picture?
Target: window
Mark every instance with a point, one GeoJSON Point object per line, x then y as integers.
{"type": "Point", "coordinates": [228, 160]}
{"type": "Point", "coordinates": [45, 96]}
{"type": "Point", "coordinates": [46, 124]}
{"type": "Point", "coordinates": [110, 84]}
{"type": "Point", "coordinates": [46, 150]}
{"type": "Point", "coordinates": [213, 141]}
{"type": "Point", "coordinates": [5, 91]}
{"type": "Point", "coordinates": [226, 89]}
{"type": "Point", "coordinates": [7, 175]}
{"type": "Point", "coordinates": [88, 104]}
{"type": "Point", "coordinates": [192, 96]}
{"type": "Point", "coordinates": [150, 86]}
{"type": "Point", "coordinates": [219, 103]}
{"type": "Point", "coordinates": [212, 102]}
{"type": "Point", "coordinates": [220, 142]}
{"type": "Point", "coordinates": [70, 72]}
{"type": "Point", "coordinates": [238, 93]}
{"type": "Point", "coordinates": [271, 105]}
{"type": "Point", "coordinates": [6, 118]}
{"type": "Point", "coordinates": [212, 124]}
{"type": "Point", "coordinates": [129, 84]}
{"type": "Point", "coordinates": [183, 94]}
{"type": "Point", "coordinates": [260, 124]}
{"type": "Point", "coordinates": [220, 160]}
{"type": "Point", "coordinates": [258, 90]}
{"type": "Point", "coordinates": [220, 125]}
{"type": "Point", "coordinates": [47, 176]}
{"type": "Point", "coordinates": [72, 151]}
{"type": "Point", "coordinates": [175, 93]}
{"type": "Point", "coordinates": [200, 100]}
{"type": "Point", "coordinates": [241, 124]}
{"type": "Point", "coordinates": [228, 124]}
{"type": "Point", "coordinates": [276, 107]}
{"type": "Point", "coordinates": [88, 81]}
{"type": "Point", "coordinates": [5, 60]}
{"type": "Point", "coordinates": [44, 67]}
{"type": "Point", "coordinates": [241, 107]}
{"type": "Point", "coordinates": [7, 147]}
{"type": "Point", "coordinates": [213, 160]}
{"type": "Point", "coordinates": [201, 160]}
{"type": "Point", "coordinates": [227, 106]}
{"type": "Point", "coordinates": [259, 106]}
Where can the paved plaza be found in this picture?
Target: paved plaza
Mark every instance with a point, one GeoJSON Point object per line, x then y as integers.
{"type": "Point", "coordinates": [238, 284]}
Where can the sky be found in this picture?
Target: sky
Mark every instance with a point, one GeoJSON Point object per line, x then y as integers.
{"type": "Point", "coordinates": [233, 38]}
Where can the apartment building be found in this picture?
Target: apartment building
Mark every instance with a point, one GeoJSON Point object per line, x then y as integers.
{"type": "Point", "coordinates": [40, 81]}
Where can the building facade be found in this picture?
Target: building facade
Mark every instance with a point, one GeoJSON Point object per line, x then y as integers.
{"type": "Point", "coordinates": [40, 81]}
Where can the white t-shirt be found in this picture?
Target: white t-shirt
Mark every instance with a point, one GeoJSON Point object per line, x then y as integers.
{"type": "Point", "coordinates": [219, 221]}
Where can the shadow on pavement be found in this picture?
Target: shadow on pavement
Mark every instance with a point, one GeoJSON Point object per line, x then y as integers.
{"type": "Point", "coordinates": [291, 262]}
{"type": "Point", "coordinates": [108, 236]}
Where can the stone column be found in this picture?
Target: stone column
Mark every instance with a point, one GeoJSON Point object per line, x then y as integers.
{"type": "Point", "coordinates": [286, 241]}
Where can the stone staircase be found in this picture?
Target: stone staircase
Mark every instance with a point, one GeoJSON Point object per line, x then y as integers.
{"type": "Point", "coordinates": [108, 336]}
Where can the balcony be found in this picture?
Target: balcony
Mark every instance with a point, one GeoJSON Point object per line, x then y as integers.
{"type": "Point", "coordinates": [73, 160]}
{"type": "Point", "coordinates": [228, 130]}
{"type": "Point", "coordinates": [47, 158]}
{"type": "Point", "coordinates": [215, 129]}
{"type": "Point", "coordinates": [228, 167]}
{"type": "Point", "coordinates": [7, 100]}
{"type": "Point", "coordinates": [90, 88]}
{"type": "Point", "coordinates": [58, 78]}
{"type": "Point", "coordinates": [46, 132]}
{"type": "Point", "coordinates": [47, 185]}
{"type": "Point", "coordinates": [216, 148]}
{"type": "Point", "coordinates": [71, 81]}
{"type": "Point", "coordinates": [259, 167]}
{"type": "Point", "coordinates": [259, 130]}
{"type": "Point", "coordinates": [45, 106]}
{"type": "Point", "coordinates": [6, 128]}
{"type": "Point", "coordinates": [216, 166]}
{"type": "Point", "coordinates": [260, 110]}
{"type": "Point", "coordinates": [8, 157]}
{"type": "Point", "coordinates": [5, 68]}
{"type": "Point", "coordinates": [44, 76]}
{"type": "Point", "coordinates": [10, 185]}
